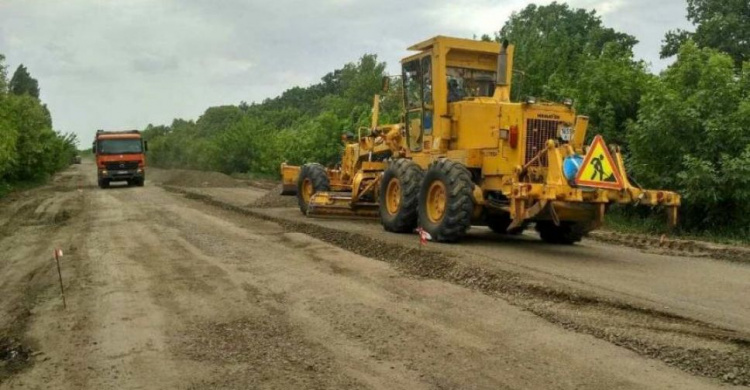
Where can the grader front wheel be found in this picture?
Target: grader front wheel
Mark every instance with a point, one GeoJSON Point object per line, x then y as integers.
{"type": "Point", "coordinates": [312, 178]}
{"type": "Point", "coordinates": [446, 201]}
{"type": "Point", "coordinates": [399, 195]}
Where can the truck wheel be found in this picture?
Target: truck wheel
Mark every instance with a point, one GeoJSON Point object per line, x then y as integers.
{"type": "Point", "coordinates": [140, 182]}
{"type": "Point", "coordinates": [499, 224]}
{"type": "Point", "coordinates": [312, 178]}
{"type": "Point", "coordinates": [568, 233]}
{"type": "Point", "coordinates": [103, 183]}
{"type": "Point", "coordinates": [446, 201]}
{"type": "Point", "coordinates": [399, 196]}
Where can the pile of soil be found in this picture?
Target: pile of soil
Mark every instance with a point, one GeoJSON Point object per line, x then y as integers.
{"type": "Point", "coordinates": [191, 178]}
{"type": "Point", "coordinates": [262, 183]}
{"type": "Point", "coordinates": [671, 246]}
{"type": "Point", "coordinates": [274, 199]}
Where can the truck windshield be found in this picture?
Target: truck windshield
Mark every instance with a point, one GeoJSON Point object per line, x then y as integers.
{"type": "Point", "coordinates": [120, 146]}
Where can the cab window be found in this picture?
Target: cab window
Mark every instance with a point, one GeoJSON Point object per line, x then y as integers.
{"type": "Point", "coordinates": [413, 96]}
{"type": "Point", "coordinates": [427, 93]}
{"type": "Point", "coordinates": [465, 83]}
{"type": "Point", "coordinates": [412, 85]}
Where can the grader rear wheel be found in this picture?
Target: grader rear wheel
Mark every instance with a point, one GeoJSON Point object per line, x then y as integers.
{"type": "Point", "coordinates": [399, 195]}
{"type": "Point", "coordinates": [568, 233]}
{"type": "Point", "coordinates": [312, 178]}
{"type": "Point", "coordinates": [446, 201]}
{"type": "Point", "coordinates": [499, 224]}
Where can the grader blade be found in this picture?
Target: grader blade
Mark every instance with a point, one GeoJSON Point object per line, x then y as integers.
{"type": "Point", "coordinates": [289, 175]}
{"type": "Point", "coordinates": [339, 205]}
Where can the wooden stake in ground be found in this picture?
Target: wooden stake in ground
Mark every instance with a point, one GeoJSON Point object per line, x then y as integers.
{"type": "Point", "coordinates": [58, 255]}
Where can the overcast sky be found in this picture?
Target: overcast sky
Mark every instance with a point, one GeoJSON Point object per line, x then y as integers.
{"type": "Point", "coordinates": [124, 64]}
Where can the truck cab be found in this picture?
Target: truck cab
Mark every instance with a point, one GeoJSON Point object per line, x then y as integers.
{"type": "Point", "coordinates": [120, 156]}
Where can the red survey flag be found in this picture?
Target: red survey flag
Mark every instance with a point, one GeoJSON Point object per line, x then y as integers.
{"type": "Point", "coordinates": [423, 236]}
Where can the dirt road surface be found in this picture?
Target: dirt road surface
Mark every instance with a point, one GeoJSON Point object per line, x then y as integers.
{"type": "Point", "coordinates": [180, 287]}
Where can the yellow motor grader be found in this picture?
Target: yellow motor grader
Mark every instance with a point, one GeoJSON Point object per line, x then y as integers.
{"type": "Point", "coordinates": [466, 155]}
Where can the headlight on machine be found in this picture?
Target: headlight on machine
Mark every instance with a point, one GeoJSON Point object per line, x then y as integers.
{"type": "Point", "coordinates": [566, 133]}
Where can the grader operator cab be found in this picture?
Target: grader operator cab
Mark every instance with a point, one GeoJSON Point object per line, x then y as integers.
{"type": "Point", "coordinates": [466, 155]}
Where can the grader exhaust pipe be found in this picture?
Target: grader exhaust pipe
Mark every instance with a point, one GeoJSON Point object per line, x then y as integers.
{"type": "Point", "coordinates": [501, 79]}
{"type": "Point", "coordinates": [504, 69]}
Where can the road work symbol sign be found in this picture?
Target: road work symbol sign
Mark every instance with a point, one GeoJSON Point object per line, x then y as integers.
{"type": "Point", "coordinates": [599, 168]}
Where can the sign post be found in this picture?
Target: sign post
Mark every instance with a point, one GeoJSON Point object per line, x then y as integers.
{"type": "Point", "coordinates": [58, 255]}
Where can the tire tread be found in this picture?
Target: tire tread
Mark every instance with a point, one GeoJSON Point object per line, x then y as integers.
{"type": "Point", "coordinates": [317, 174]}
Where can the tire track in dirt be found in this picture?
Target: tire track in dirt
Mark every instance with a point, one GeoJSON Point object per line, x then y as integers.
{"type": "Point", "coordinates": [693, 346]}
{"type": "Point", "coordinates": [216, 324]}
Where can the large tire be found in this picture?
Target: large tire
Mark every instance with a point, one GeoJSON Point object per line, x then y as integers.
{"type": "Point", "coordinates": [312, 178]}
{"type": "Point", "coordinates": [499, 224]}
{"type": "Point", "coordinates": [140, 182]}
{"type": "Point", "coordinates": [446, 201]}
{"type": "Point", "coordinates": [568, 233]}
{"type": "Point", "coordinates": [103, 183]}
{"type": "Point", "coordinates": [399, 196]}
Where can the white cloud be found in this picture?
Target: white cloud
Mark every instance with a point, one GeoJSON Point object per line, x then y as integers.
{"type": "Point", "coordinates": [475, 17]}
{"type": "Point", "coordinates": [124, 64]}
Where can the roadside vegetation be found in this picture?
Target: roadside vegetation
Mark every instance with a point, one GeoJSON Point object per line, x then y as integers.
{"type": "Point", "coordinates": [30, 150]}
{"type": "Point", "coordinates": [686, 129]}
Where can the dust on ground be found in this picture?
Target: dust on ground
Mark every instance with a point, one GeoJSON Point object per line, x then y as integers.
{"type": "Point", "coordinates": [31, 223]}
{"type": "Point", "coordinates": [272, 198]}
{"type": "Point", "coordinates": [694, 346]}
{"type": "Point", "coordinates": [169, 292]}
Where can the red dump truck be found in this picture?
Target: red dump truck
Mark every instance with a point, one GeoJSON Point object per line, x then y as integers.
{"type": "Point", "coordinates": [120, 156]}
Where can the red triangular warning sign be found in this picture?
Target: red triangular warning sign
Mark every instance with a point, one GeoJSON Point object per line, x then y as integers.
{"type": "Point", "coordinates": [599, 169]}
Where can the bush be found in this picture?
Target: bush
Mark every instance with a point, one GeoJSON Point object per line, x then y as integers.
{"type": "Point", "coordinates": [693, 135]}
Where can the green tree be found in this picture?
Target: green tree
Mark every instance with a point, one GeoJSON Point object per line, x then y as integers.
{"type": "Point", "coordinates": [23, 84]}
{"type": "Point", "coordinates": [720, 24]}
{"type": "Point", "coordinates": [303, 124]}
{"type": "Point", "coordinates": [217, 119]}
{"type": "Point", "coordinates": [8, 138]}
{"type": "Point", "coordinates": [693, 135]}
{"type": "Point", "coordinates": [553, 42]}
{"type": "Point", "coordinates": [3, 76]}
{"type": "Point", "coordinates": [568, 53]}
{"type": "Point", "coordinates": [34, 157]}
{"type": "Point", "coordinates": [29, 148]}
{"type": "Point", "coordinates": [8, 133]}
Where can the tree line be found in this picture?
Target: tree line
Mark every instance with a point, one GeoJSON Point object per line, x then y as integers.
{"type": "Point", "coordinates": [303, 124]}
{"type": "Point", "coordinates": [30, 150]}
{"type": "Point", "coordinates": [686, 129]}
